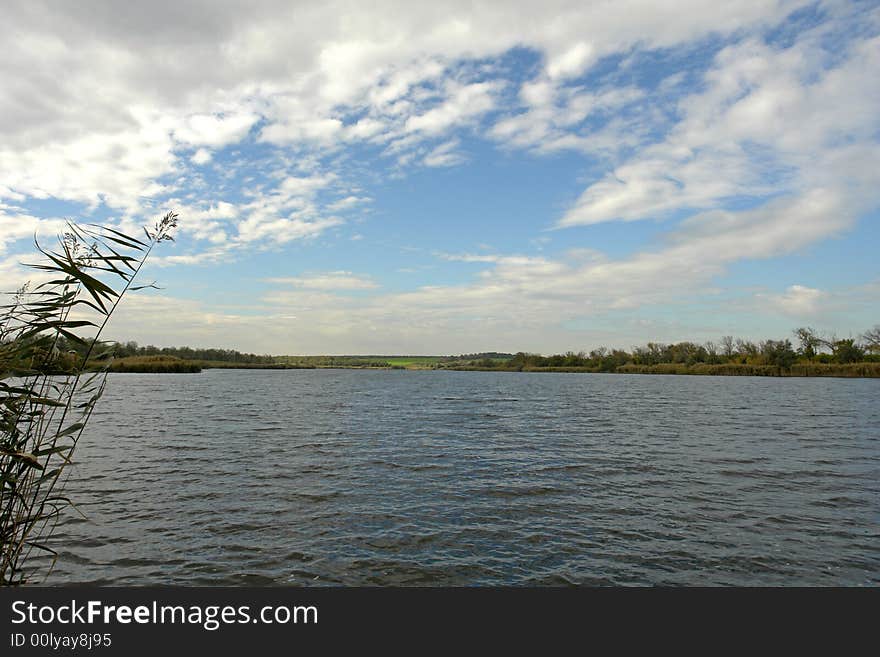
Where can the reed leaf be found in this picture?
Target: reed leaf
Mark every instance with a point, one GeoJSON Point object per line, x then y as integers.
{"type": "Point", "coordinates": [45, 408]}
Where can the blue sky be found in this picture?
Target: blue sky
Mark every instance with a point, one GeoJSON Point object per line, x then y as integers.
{"type": "Point", "coordinates": [410, 178]}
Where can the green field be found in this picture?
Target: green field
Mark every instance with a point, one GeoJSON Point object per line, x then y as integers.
{"type": "Point", "coordinates": [414, 362]}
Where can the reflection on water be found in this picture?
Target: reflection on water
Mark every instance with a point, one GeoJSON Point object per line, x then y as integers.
{"type": "Point", "coordinates": [475, 478]}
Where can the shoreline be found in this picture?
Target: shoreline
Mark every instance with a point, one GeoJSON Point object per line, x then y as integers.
{"type": "Point", "coordinates": [817, 370]}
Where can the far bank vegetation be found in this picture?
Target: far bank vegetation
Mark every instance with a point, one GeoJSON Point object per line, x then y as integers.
{"type": "Point", "coordinates": [811, 354]}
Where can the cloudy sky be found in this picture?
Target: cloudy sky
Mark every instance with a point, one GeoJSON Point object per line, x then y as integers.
{"type": "Point", "coordinates": [414, 177]}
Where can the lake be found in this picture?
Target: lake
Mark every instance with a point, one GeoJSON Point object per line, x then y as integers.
{"type": "Point", "coordinates": [386, 477]}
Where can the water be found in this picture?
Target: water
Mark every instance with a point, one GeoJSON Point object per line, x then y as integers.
{"type": "Point", "coordinates": [371, 477]}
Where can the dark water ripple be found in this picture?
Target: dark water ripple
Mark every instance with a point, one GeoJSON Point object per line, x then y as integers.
{"type": "Point", "coordinates": [470, 478]}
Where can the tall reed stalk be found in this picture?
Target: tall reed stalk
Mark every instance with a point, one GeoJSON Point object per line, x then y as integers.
{"type": "Point", "coordinates": [43, 413]}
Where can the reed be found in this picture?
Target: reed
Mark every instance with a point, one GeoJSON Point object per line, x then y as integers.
{"type": "Point", "coordinates": [154, 365]}
{"type": "Point", "coordinates": [42, 413]}
{"type": "Point", "coordinates": [846, 370]}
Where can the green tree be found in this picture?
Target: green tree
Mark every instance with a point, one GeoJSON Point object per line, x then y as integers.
{"type": "Point", "coordinates": [847, 351]}
{"type": "Point", "coordinates": [809, 341]}
{"type": "Point", "coordinates": [871, 339]}
{"type": "Point", "coordinates": [728, 346]}
{"type": "Point", "coordinates": [779, 353]}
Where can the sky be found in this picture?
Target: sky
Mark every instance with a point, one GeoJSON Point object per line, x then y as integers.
{"type": "Point", "coordinates": [456, 177]}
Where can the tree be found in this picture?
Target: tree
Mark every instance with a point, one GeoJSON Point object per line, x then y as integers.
{"type": "Point", "coordinates": [599, 353]}
{"type": "Point", "coordinates": [871, 339]}
{"type": "Point", "coordinates": [746, 349]}
{"type": "Point", "coordinates": [727, 346]}
{"type": "Point", "coordinates": [712, 351]}
{"type": "Point", "coordinates": [779, 353]}
{"type": "Point", "coordinates": [809, 341]}
{"type": "Point", "coordinates": [847, 351]}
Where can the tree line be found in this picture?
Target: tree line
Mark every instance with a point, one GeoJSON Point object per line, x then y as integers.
{"type": "Point", "coordinates": [132, 348]}
{"type": "Point", "coordinates": [810, 346]}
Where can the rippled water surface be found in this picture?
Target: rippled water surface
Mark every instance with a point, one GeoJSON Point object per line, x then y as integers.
{"type": "Point", "coordinates": [378, 477]}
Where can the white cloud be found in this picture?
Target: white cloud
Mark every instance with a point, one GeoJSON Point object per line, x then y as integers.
{"type": "Point", "coordinates": [213, 130]}
{"type": "Point", "coordinates": [335, 280]}
{"type": "Point", "coordinates": [444, 155]}
{"type": "Point", "coordinates": [572, 62]}
{"type": "Point", "coordinates": [797, 301]}
{"type": "Point", "coordinates": [553, 114]}
{"type": "Point", "coordinates": [365, 128]}
{"type": "Point", "coordinates": [283, 230]}
{"type": "Point", "coordinates": [296, 186]}
{"type": "Point", "coordinates": [274, 214]}
{"type": "Point", "coordinates": [210, 256]}
{"type": "Point", "coordinates": [286, 212]}
{"type": "Point", "coordinates": [296, 129]}
{"type": "Point", "coordinates": [18, 226]}
{"type": "Point", "coordinates": [348, 202]}
{"type": "Point", "coordinates": [117, 168]}
{"type": "Point", "coordinates": [462, 102]}
{"type": "Point", "coordinates": [201, 156]}
{"type": "Point", "coordinates": [767, 122]}
{"type": "Point", "coordinates": [136, 91]}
